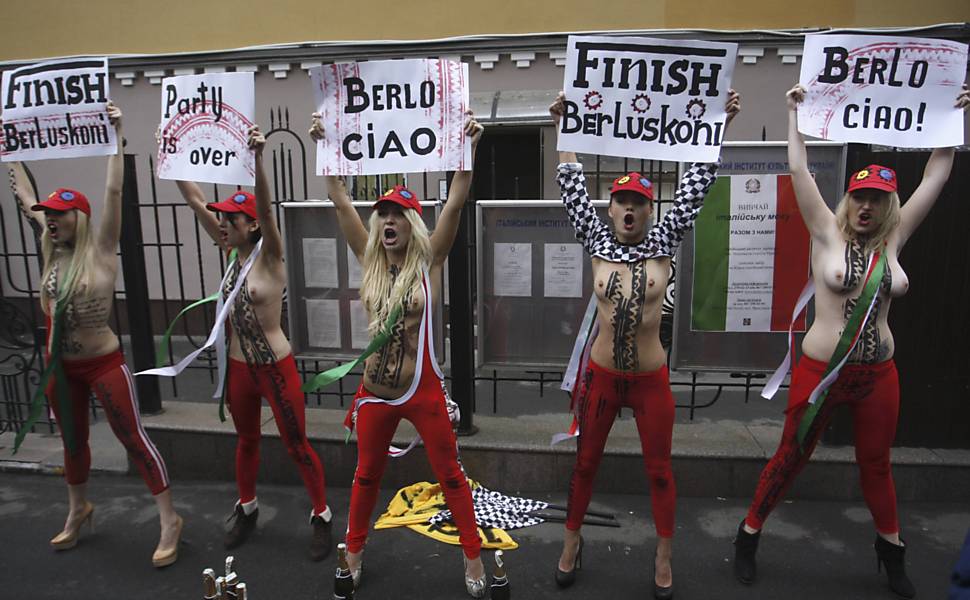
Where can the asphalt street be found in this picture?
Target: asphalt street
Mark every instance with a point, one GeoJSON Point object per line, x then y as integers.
{"type": "Point", "coordinates": [809, 549]}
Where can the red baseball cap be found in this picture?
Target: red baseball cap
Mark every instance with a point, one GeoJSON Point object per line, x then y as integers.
{"type": "Point", "coordinates": [402, 196]}
{"type": "Point", "coordinates": [633, 182]}
{"type": "Point", "coordinates": [876, 177]}
{"type": "Point", "coordinates": [240, 201]}
{"type": "Point", "coordinates": [64, 199]}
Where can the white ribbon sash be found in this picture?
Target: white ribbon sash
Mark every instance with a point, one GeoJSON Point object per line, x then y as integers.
{"type": "Point", "coordinates": [217, 336]}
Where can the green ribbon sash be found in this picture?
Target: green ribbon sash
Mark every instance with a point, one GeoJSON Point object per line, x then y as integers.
{"type": "Point", "coordinates": [55, 369]}
{"type": "Point", "coordinates": [850, 335]}
{"type": "Point", "coordinates": [327, 377]}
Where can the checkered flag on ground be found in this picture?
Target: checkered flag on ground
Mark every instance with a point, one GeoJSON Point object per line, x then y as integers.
{"type": "Point", "coordinates": [495, 509]}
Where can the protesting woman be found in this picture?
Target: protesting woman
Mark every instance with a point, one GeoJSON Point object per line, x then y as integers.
{"type": "Point", "coordinates": [84, 354]}
{"type": "Point", "coordinates": [627, 364]}
{"type": "Point", "coordinates": [402, 266]}
{"type": "Point", "coordinates": [856, 273]}
{"type": "Point", "coordinates": [261, 364]}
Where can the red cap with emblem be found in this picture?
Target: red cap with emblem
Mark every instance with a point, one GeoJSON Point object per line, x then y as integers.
{"type": "Point", "coordinates": [633, 182]}
{"type": "Point", "coordinates": [64, 199]}
{"type": "Point", "coordinates": [402, 196]}
{"type": "Point", "coordinates": [240, 201]}
{"type": "Point", "coordinates": [876, 177]}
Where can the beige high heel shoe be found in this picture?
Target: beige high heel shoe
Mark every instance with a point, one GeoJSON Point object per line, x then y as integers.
{"type": "Point", "coordinates": [67, 539]}
{"type": "Point", "coordinates": [163, 558]}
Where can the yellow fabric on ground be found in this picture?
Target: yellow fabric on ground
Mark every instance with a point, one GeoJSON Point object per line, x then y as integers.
{"type": "Point", "coordinates": [414, 505]}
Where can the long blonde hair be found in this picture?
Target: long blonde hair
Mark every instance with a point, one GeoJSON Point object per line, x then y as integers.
{"type": "Point", "coordinates": [377, 289]}
{"type": "Point", "coordinates": [889, 221]}
{"type": "Point", "coordinates": [79, 269]}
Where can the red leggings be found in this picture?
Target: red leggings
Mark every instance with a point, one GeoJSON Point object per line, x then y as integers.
{"type": "Point", "coordinates": [110, 380]}
{"type": "Point", "coordinates": [872, 393]}
{"type": "Point", "coordinates": [376, 424]}
{"type": "Point", "coordinates": [603, 392]}
{"type": "Point", "coordinates": [280, 384]}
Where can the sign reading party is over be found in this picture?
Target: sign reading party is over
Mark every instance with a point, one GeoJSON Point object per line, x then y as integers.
{"type": "Point", "coordinates": [56, 109]}
{"type": "Point", "coordinates": [646, 98]}
{"type": "Point", "coordinates": [898, 91]}
{"type": "Point", "coordinates": [204, 131]}
{"type": "Point", "coordinates": [392, 116]}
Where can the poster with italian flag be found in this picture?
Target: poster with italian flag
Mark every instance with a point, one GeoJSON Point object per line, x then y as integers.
{"type": "Point", "coordinates": [751, 256]}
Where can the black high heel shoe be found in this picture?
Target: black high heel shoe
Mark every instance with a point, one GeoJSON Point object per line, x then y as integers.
{"type": "Point", "coordinates": [893, 557]}
{"type": "Point", "coordinates": [564, 579]}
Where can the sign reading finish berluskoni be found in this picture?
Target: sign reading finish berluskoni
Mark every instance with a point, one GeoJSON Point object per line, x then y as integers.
{"type": "Point", "coordinates": [645, 97]}
{"type": "Point", "coordinates": [56, 109]}
{"type": "Point", "coordinates": [392, 116]}
{"type": "Point", "coordinates": [898, 91]}
{"type": "Point", "coordinates": [205, 121]}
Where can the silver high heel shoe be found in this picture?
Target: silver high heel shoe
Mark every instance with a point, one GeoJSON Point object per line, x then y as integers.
{"type": "Point", "coordinates": [476, 587]}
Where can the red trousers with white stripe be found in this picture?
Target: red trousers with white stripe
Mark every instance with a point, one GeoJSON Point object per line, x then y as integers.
{"type": "Point", "coordinates": [110, 380]}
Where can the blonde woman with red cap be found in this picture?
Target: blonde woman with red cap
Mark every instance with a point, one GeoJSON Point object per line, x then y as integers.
{"type": "Point", "coordinates": [847, 352]}
{"type": "Point", "coordinates": [261, 363]}
{"type": "Point", "coordinates": [84, 354]}
{"type": "Point", "coordinates": [627, 365]}
{"type": "Point", "coordinates": [402, 266]}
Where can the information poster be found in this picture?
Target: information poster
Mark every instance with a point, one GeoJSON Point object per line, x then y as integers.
{"type": "Point", "coordinates": [320, 262]}
{"type": "Point", "coordinates": [563, 270]}
{"type": "Point", "coordinates": [323, 322]}
{"type": "Point", "coordinates": [751, 256]}
{"type": "Point", "coordinates": [513, 269]}
{"type": "Point", "coordinates": [358, 325]}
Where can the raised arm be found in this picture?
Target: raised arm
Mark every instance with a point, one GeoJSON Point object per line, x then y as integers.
{"type": "Point", "coordinates": [590, 230]}
{"type": "Point", "coordinates": [110, 231]}
{"type": "Point", "coordinates": [666, 235]}
{"type": "Point", "coordinates": [195, 198]}
{"type": "Point", "coordinates": [447, 226]}
{"type": "Point", "coordinates": [556, 109]}
{"type": "Point", "coordinates": [23, 192]}
{"type": "Point", "coordinates": [935, 174]}
{"type": "Point", "coordinates": [347, 217]}
{"type": "Point", "coordinates": [272, 241]}
{"type": "Point", "coordinates": [818, 217]}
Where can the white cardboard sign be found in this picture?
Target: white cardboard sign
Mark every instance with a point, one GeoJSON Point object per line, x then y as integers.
{"type": "Point", "coordinates": [898, 91]}
{"type": "Point", "coordinates": [57, 109]}
{"type": "Point", "coordinates": [204, 125]}
{"type": "Point", "coordinates": [392, 116]}
{"type": "Point", "coordinates": [645, 97]}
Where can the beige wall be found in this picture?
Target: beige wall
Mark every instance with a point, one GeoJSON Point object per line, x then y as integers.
{"type": "Point", "coordinates": [44, 28]}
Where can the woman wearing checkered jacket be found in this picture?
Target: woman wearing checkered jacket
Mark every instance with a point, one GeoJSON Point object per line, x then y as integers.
{"type": "Point", "coordinates": [627, 363]}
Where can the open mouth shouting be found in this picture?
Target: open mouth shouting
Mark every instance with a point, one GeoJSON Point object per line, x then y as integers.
{"type": "Point", "coordinates": [628, 221]}
{"type": "Point", "coordinates": [52, 229]}
{"type": "Point", "coordinates": [865, 219]}
{"type": "Point", "coordinates": [390, 236]}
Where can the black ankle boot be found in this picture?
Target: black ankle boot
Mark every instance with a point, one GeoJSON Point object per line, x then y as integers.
{"type": "Point", "coordinates": [240, 530]}
{"type": "Point", "coordinates": [745, 547]}
{"type": "Point", "coordinates": [322, 539]}
{"type": "Point", "coordinates": [893, 557]}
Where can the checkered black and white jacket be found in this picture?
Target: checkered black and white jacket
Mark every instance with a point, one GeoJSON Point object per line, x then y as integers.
{"type": "Point", "coordinates": [661, 240]}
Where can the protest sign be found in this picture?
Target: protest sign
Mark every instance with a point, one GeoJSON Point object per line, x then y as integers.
{"type": "Point", "coordinates": [751, 256]}
{"type": "Point", "coordinates": [646, 98]}
{"type": "Point", "coordinates": [392, 116]}
{"type": "Point", "coordinates": [57, 109]}
{"type": "Point", "coordinates": [898, 91]}
{"type": "Point", "coordinates": [204, 125]}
